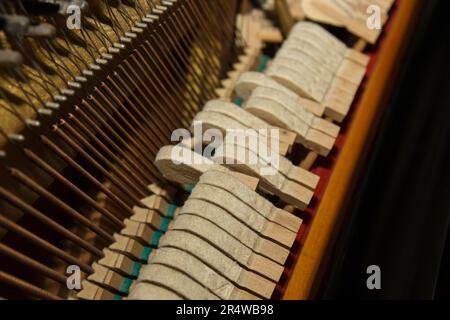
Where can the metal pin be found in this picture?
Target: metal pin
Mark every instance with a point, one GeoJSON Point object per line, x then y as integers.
{"type": "Point", "coordinates": [161, 137]}
{"type": "Point", "coordinates": [149, 141]}
{"type": "Point", "coordinates": [146, 149]}
{"type": "Point", "coordinates": [95, 67]}
{"type": "Point", "coordinates": [52, 105]}
{"type": "Point", "coordinates": [122, 175]}
{"type": "Point", "coordinates": [16, 137]}
{"type": "Point", "coordinates": [60, 98]}
{"type": "Point", "coordinates": [45, 112]}
{"type": "Point", "coordinates": [134, 160]}
{"type": "Point", "coordinates": [81, 79]}
{"type": "Point", "coordinates": [88, 73]}
{"type": "Point", "coordinates": [33, 123]}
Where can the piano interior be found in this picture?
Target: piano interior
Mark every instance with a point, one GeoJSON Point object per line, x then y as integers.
{"type": "Point", "coordinates": [207, 149]}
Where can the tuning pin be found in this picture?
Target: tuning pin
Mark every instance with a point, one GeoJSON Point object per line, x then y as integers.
{"type": "Point", "coordinates": [43, 30]}
{"type": "Point", "coordinates": [52, 105]}
{"type": "Point", "coordinates": [16, 137]}
{"type": "Point", "coordinates": [33, 123]}
{"type": "Point", "coordinates": [10, 59]}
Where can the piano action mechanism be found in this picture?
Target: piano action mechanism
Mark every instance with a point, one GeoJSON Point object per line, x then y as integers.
{"type": "Point", "coordinates": [94, 202]}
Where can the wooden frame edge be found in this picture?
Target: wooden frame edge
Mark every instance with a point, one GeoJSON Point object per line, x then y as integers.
{"type": "Point", "coordinates": [307, 270]}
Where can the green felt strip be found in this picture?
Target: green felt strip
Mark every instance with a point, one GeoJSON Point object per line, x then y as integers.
{"type": "Point", "coordinates": [146, 253]}
{"type": "Point", "coordinates": [135, 269]}
{"type": "Point", "coordinates": [171, 211]}
{"type": "Point", "coordinates": [125, 287]}
{"type": "Point", "coordinates": [263, 61]}
{"type": "Point", "coordinates": [238, 101]}
{"type": "Point", "coordinates": [189, 187]}
{"type": "Point", "coordinates": [155, 238]}
{"type": "Point", "coordinates": [165, 225]}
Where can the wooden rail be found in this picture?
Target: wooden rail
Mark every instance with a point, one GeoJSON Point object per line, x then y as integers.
{"type": "Point", "coordinates": [309, 268]}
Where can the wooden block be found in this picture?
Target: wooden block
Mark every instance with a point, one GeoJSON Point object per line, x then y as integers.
{"type": "Point", "coordinates": [348, 13]}
{"type": "Point", "coordinates": [227, 83]}
{"type": "Point", "coordinates": [321, 143]}
{"type": "Point", "coordinates": [234, 75]}
{"type": "Point", "coordinates": [249, 81]}
{"type": "Point", "coordinates": [335, 108]}
{"type": "Point", "coordinates": [201, 273]}
{"type": "Point", "coordinates": [252, 199]}
{"type": "Point", "coordinates": [109, 279]}
{"type": "Point", "coordinates": [140, 232]}
{"type": "Point", "coordinates": [130, 248]}
{"type": "Point", "coordinates": [247, 180]}
{"type": "Point", "coordinates": [241, 67]}
{"type": "Point", "coordinates": [341, 94]}
{"type": "Point", "coordinates": [221, 263]}
{"type": "Point", "coordinates": [174, 166]}
{"type": "Point", "coordinates": [221, 93]}
{"type": "Point", "coordinates": [270, 35]}
{"type": "Point", "coordinates": [345, 86]}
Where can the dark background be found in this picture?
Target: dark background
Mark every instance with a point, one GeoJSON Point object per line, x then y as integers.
{"type": "Point", "coordinates": [400, 213]}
